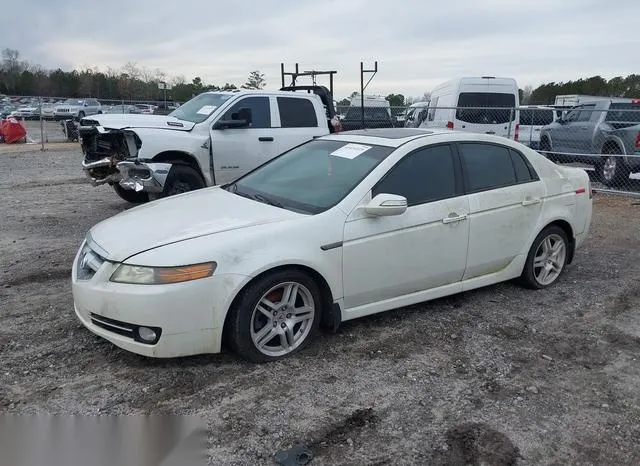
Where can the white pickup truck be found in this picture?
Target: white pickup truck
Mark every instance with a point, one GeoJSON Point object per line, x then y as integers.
{"type": "Point", "coordinates": [212, 139]}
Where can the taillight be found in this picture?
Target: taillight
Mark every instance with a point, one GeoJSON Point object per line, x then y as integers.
{"type": "Point", "coordinates": [638, 141]}
{"type": "Point", "coordinates": [590, 191]}
{"type": "Point", "coordinates": [450, 124]}
{"type": "Point", "coordinates": [516, 134]}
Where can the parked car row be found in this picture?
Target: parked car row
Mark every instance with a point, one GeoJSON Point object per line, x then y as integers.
{"type": "Point", "coordinates": [286, 223]}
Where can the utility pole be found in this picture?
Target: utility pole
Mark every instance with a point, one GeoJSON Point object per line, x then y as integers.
{"type": "Point", "coordinates": [363, 86]}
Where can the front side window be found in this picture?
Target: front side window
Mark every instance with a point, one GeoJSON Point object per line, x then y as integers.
{"type": "Point", "coordinates": [586, 112]}
{"type": "Point", "coordinates": [260, 111]}
{"type": "Point", "coordinates": [422, 176]}
{"type": "Point", "coordinates": [313, 177]}
{"type": "Point", "coordinates": [486, 166]}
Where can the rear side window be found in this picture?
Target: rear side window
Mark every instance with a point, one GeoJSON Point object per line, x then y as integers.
{"type": "Point", "coordinates": [536, 117]}
{"type": "Point", "coordinates": [524, 170]}
{"type": "Point", "coordinates": [297, 113]}
{"type": "Point", "coordinates": [499, 107]}
{"type": "Point", "coordinates": [487, 166]}
{"type": "Point", "coordinates": [422, 176]}
{"type": "Point", "coordinates": [624, 113]}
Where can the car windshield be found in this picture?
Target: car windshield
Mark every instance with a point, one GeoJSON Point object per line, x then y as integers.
{"type": "Point", "coordinates": [493, 114]}
{"type": "Point", "coordinates": [313, 177]}
{"type": "Point", "coordinates": [73, 102]}
{"type": "Point", "coordinates": [200, 107]}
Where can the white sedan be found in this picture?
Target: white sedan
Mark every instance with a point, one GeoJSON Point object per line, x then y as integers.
{"type": "Point", "coordinates": [340, 227]}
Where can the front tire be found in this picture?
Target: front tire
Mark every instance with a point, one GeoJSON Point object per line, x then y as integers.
{"type": "Point", "coordinates": [275, 317]}
{"type": "Point", "coordinates": [182, 179]}
{"type": "Point", "coordinates": [129, 195]}
{"type": "Point", "coordinates": [546, 259]}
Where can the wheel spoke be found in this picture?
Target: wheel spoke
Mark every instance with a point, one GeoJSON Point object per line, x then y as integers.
{"type": "Point", "coordinates": [266, 312]}
{"type": "Point", "coordinates": [265, 335]}
{"type": "Point", "coordinates": [270, 306]}
{"type": "Point", "coordinates": [290, 294]}
{"type": "Point", "coordinates": [543, 275]}
{"type": "Point", "coordinates": [555, 267]}
{"type": "Point", "coordinates": [286, 338]}
{"type": "Point", "coordinates": [303, 311]}
{"type": "Point", "coordinates": [557, 247]}
{"type": "Point", "coordinates": [539, 262]}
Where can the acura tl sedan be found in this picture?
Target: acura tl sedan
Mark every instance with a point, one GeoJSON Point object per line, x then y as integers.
{"type": "Point", "coordinates": [343, 226]}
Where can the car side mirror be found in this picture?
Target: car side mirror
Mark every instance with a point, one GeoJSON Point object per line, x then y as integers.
{"type": "Point", "coordinates": [386, 204]}
{"type": "Point", "coordinates": [229, 124]}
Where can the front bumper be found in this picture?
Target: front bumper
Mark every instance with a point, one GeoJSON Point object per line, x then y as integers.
{"type": "Point", "coordinates": [133, 175]}
{"type": "Point", "coordinates": [190, 315]}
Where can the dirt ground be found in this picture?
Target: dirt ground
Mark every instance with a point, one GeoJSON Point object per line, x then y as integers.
{"type": "Point", "coordinates": [497, 376]}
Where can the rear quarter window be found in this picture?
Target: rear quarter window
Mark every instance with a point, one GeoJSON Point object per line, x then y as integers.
{"type": "Point", "coordinates": [297, 113]}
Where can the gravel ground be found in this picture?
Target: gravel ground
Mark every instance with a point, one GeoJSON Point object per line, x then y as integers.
{"type": "Point", "coordinates": [496, 376]}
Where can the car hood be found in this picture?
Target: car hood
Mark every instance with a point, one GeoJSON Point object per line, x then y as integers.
{"type": "Point", "coordinates": [137, 120]}
{"type": "Point", "coordinates": [177, 218]}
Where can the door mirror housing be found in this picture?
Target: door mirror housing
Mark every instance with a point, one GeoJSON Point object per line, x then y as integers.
{"type": "Point", "coordinates": [386, 204]}
{"type": "Point", "coordinates": [228, 124]}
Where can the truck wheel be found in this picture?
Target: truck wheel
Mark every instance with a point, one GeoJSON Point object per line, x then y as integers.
{"type": "Point", "coordinates": [612, 170]}
{"type": "Point", "coordinates": [182, 179]}
{"type": "Point", "coordinates": [129, 195]}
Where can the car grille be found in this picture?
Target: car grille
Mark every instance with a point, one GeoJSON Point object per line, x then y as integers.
{"type": "Point", "coordinates": [123, 328]}
{"type": "Point", "coordinates": [89, 263]}
{"type": "Point", "coordinates": [63, 110]}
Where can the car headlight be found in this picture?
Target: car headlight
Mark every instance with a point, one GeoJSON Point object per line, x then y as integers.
{"type": "Point", "coordinates": [140, 275]}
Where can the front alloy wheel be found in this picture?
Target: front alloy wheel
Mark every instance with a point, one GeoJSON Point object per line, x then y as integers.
{"type": "Point", "coordinates": [282, 319]}
{"type": "Point", "coordinates": [274, 317]}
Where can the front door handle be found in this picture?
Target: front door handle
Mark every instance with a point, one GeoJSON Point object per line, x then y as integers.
{"type": "Point", "coordinates": [533, 201]}
{"type": "Point", "coordinates": [265, 139]}
{"type": "Point", "coordinates": [453, 217]}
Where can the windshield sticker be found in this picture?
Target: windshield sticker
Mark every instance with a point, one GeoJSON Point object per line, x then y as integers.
{"type": "Point", "coordinates": [207, 109]}
{"type": "Point", "coordinates": [351, 151]}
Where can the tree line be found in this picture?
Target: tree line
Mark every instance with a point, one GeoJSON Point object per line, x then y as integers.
{"type": "Point", "coordinates": [132, 82]}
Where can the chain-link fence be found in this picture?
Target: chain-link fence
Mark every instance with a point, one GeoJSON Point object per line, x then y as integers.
{"type": "Point", "coordinates": [601, 137]}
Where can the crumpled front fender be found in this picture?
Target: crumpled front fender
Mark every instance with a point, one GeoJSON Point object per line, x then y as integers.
{"type": "Point", "coordinates": [141, 176]}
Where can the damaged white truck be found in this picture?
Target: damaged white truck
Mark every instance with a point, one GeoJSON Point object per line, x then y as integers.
{"type": "Point", "coordinates": [212, 139]}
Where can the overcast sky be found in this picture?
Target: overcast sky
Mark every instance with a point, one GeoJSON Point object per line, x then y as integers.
{"type": "Point", "coordinates": [417, 43]}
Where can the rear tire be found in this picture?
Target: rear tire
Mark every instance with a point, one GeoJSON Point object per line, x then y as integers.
{"type": "Point", "coordinates": [182, 179]}
{"type": "Point", "coordinates": [612, 170]}
{"type": "Point", "coordinates": [546, 259]}
{"type": "Point", "coordinates": [260, 332]}
{"type": "Point", "coordinates": [129, 195]}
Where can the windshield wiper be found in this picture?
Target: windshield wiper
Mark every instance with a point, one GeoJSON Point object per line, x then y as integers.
{"type": "Point", "coordinates": [265, 200]}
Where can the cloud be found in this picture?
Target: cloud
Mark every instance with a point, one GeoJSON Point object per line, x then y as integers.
{"type": "Point", "coordinates": [417, 43]}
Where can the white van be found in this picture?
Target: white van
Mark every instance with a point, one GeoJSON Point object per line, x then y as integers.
{"type": "Point", "coordinates": [532, 119]}
{"type": "Point", "coordinates": [476, 104]}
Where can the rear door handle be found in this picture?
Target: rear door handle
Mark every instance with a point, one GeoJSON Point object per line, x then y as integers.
{"type": "Point", "coordinates": [537, 200]}
{"type": "Point", "coordinates": [454, 218]}
{"type": "Point", "coordinates": [265, 139]}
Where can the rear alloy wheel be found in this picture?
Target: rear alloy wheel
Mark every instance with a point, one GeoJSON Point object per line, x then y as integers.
{"type": "Point", "coordinates": [275, 317]}
{"type": "Point", "coordinates": [546, 259]}
{"type": "Point", "coordinates": [129, 195]}
{"type": "Point", "coordinates": [182, 179]}
{"type": "Point", "coordinates": [613, 171]}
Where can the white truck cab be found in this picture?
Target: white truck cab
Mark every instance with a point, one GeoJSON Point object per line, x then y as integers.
{"type": "Point", "coordinates": [212, 139]}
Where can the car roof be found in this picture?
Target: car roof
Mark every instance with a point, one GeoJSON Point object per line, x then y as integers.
{"type": "Point", "coordinates": [390, 137]}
